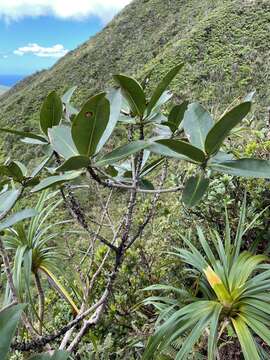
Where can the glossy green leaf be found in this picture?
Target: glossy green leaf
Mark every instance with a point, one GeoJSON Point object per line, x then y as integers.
{"type": "Point", "coordinates": [25, 134]}
{"type": "Point", "coordinates": [176, 115]}
{"type": "Point", "coordinates": [74, 163]}
{"type": "Point", "coordinates": [222, 128]}
{"type": "Point", "coordinates": [163, 150]}
{"type": "Point", "coordinates": [68, 95]}
{"type": "Point", "coordinates": [220, 157]}
{"type": "Point", "coordinates": [62, 142]}
{"type": "Point", "coordinates": [56, 180]}
{"type": "Point", "coordinates": [90, 124]}
{"type": "Point", "coordinates": [254, 168]}
{"type": "Point", "coordinates": [197, 123]}
{"type": "Point", "coordinates": [9, 319]}
{"type": "Point", "coordinates": [133, 93]}
{"type": "Point", "coordinates": [7, 200]}
{"type": "Point", "coordinates": [115, 99]}
{"type": "Point", "coordinates": [15, 218]}
{"type": "Point", "coordinates": [165, 97]}
{"type": "Point", "coordinates": [122, 152]}
{"type": "Point", "coordinates": [184, 148]}
{"type": "Point", "coordinates": [51, 112]}
{"type": "Point", "coordinates": [247, 343]}
{"type": "Point", "coordinates": [57, 355]}
{"type": "Point", "coordinates": [162, 86]}
{"type": "Point", "coordinates": [194, 190]}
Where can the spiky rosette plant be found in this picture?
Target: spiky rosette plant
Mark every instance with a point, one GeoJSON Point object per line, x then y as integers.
{"type": "Point", "coordinates": [36, 254]}
{"type": "Point", "coordinates": [232, 293]}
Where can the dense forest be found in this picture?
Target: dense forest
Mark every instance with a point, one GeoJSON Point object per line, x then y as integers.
{"type": "Point", "coordinates": [134, 191]}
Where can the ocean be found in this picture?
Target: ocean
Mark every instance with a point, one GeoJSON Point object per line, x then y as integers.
{"type": "Point", "coordinates": [10, 80]}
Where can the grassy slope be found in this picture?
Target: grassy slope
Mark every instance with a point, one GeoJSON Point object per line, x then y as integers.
{"type": "Point", "coordinates": [222, 43]}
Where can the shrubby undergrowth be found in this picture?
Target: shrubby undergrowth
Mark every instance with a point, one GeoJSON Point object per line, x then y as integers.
{"type": "Point", "coordinates": [172, 158]}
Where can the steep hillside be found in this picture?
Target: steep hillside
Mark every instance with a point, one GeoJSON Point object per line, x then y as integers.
{"type": "Point", "coordinates": [222, 42]}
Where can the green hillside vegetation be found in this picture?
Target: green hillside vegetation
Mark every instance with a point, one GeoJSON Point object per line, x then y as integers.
{"type": "Point", "coordinates": [221, 42]}
{"type": "Point", "coordinates": [223, 45]}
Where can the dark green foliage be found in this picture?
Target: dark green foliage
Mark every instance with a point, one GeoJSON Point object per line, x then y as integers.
{"type": "Point", "coordinates": [9, 319]}
{"type": "Point", "coordinates": [195, 188]}
{"type": "Point", "coordinates": [51, 112]}
{"type": "Point", "coordinates": [90, 124]}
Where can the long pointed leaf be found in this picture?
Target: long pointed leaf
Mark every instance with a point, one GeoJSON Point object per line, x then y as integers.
{"type": "Point", "coordinates": [133, 93]}
{"type": "Point", "coordinates": [162, 86]}
{"type": "Point", "coordinates": [222, 128]}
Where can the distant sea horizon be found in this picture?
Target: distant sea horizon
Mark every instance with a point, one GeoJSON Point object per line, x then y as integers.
{"type": "Point", "coordinates": [10, 80]}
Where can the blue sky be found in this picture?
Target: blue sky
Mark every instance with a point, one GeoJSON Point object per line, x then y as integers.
{"type": "Point", "coordinates": [34, 34]}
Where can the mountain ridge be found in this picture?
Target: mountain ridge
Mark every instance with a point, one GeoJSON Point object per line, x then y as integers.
{"type": "Point", "coordinates": [222, 44]}
{"type": "Point", "coordinates": [3, 89]}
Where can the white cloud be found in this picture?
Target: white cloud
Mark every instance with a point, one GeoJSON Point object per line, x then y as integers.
{"type": "Point", "coordinates": [79, 9]}
{"type": "Point", "coordinates": [55, 51]}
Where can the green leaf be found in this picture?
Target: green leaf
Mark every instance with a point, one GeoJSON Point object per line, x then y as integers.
{"type": "Point", "coordinates": [51, 112]}
{"type": "Point", "coordinates": [222, 128]}
{"type": "Point", "coordinates": [90, 124]}
{"type": "Point", "coordinates": [62, 142]}
{"type": "Point", "coordinates": [40, 166]}
{"type": "Point", "coordinates": [115, 99]}
{"type": "Point", "coordinates": [14, 170]}
{"type": "Point", "coordinates": [133, 93]}
{"type": "Point", "coordinates": [213, 333]}
{"type": "Point", "coordinates": [57, 355]}
{"type": "Point", "coordinates": [194, 190]}
{"type": "Point", "coordinates": [122, 152]}
{"type": "Point", "coordinates": [146, 184]}
{"type": "Point", "coordinates": [197, 123]}
{"type": "Point", "coordinates": [56, 180]}
{"type": "Point", "coordinates": [176, 116]}
{"type": "Point", "coordinates": [25, 134]}
{"type": "Point", "coordinates": [7, 200]}
{"type": "Point", "coordinates": [165, 97]}
{"type": "Point", "coordinates": [184, 148]}
{"type": "Point", "coordinates": [151, 166]}
{"type": "Point", "coordinates": [19, 216]}
{"type": "Point", "coordinates": [162, 86]}
{"type": "Point", "coordinates": [254, 168]}
{"type": "Point", "coordinates": [9, 319]}
{"type": "Point", "coordinates": [192, 338]}
{"type": "Point", "coordinates": [246, 340]}
{"type": "Point", "coordinates": [258, 327]}
{"type": "Point", "coordinates": [68, 95]}
{"type": "Point", "coordinates": [167, 288]}
{"type": "Point", "coordinates": [74, 163]}
{"type": "Point", "coordinates": [30, 141]}
{"type": "Point", "coordinates": [163, 150]}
